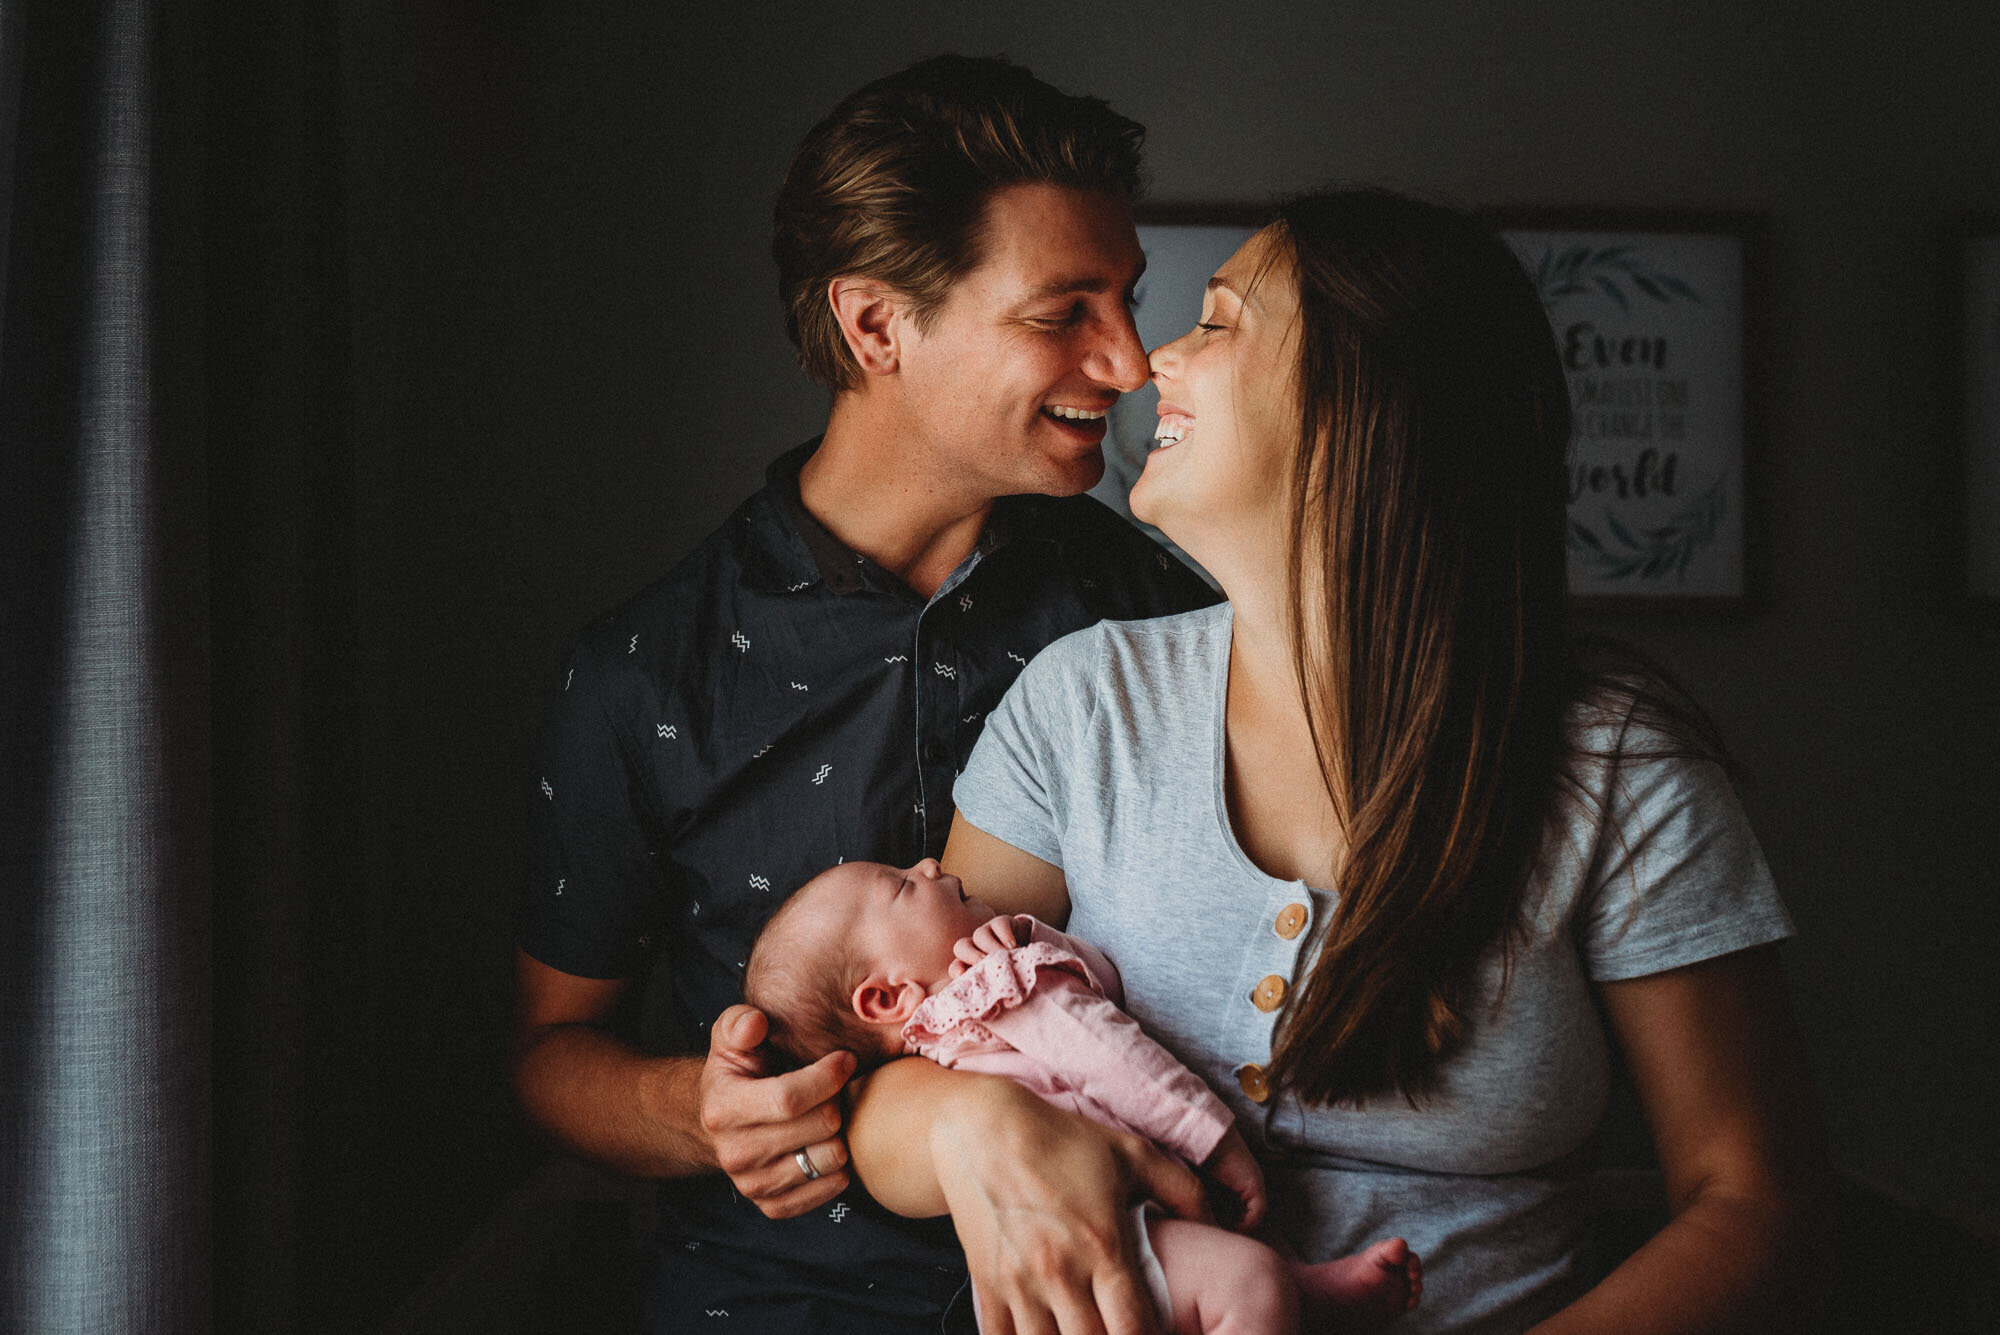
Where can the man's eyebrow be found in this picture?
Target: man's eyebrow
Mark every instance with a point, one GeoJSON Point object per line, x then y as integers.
{"type": "Point", "coordinates": [1095, 282]}
{"type": "Point", "coordinates": [1063, 287]}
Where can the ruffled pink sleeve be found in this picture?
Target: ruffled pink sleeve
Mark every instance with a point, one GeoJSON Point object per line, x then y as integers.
{"type": "Point", "coordinates": [1031, 1013]}
{"type": "Point", "coordinates": [956, 1019]}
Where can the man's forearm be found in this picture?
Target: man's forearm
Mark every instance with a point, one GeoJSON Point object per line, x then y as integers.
{"type": "Point", "coordinates": [611, 1103]}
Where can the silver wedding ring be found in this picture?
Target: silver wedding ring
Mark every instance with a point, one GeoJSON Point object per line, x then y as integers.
{"type": "Point", "coordinates": [806, 1165]}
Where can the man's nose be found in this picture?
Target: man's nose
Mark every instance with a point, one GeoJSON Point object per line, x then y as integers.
{"type": "Point", "coordinates": [1119, 360]}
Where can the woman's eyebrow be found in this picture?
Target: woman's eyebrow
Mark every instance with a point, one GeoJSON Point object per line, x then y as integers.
{"type": "Point", "coordinates": [1219, 282]}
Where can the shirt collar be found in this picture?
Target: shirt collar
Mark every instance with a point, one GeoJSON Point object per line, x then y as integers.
{"type": "Point", "coordinates": [792, 550]}
{"type": "Point", "coordinates": [787, 549]}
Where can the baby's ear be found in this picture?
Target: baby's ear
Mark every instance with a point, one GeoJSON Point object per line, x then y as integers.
{"type": "Point", "coordinates": [879, 1001]}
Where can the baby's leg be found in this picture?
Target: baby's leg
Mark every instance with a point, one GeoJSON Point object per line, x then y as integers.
{"type": "Point", "coordinates": [1364, 1291]}
{"type": "Point", "coordinates": [1223, 1283]}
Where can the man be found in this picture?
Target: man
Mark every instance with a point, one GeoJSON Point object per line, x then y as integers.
{"type": "Point", "coordinates": [956, 257]}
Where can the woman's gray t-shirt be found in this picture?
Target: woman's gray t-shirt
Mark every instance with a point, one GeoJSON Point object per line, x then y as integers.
{"type": "Point", "coordinates": [1106, 759]}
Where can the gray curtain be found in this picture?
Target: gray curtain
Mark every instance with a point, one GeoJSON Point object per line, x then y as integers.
{"type": "Point", "coordinates": [106, 1021]}
{"type": "Point", "coordinates": [175, 645]}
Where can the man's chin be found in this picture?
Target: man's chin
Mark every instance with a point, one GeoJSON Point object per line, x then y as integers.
{"type": "Point", "coordinates": [1050, 479]}
{"type": "Point", "coordinates": [1087, 477]}
{"type": "Point", "coordinates": [1072, 473]}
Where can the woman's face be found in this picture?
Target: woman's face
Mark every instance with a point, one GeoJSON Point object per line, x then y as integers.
{"type": "Point", "coordinates": [1229, 420]}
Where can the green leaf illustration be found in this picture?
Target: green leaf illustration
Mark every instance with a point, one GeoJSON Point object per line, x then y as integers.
{"type": "Point", "coordinates": [1677, 287]}
{"type": "Point", "coordinates": [1581, 537]}
{"type": "Point", "coordinates": [1664, 551]}
{"type": "Point", "coordinates": [1580, 270]}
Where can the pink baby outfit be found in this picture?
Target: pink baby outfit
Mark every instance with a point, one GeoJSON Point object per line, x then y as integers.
{"type": "Point", "coordinates": [1046, 1014]}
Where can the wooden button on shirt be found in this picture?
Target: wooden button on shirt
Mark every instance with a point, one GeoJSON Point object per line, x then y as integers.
{"type": "Point", "coordinates": [1269, 994]}
{"type": "Point", "coordinates": [1251, 1078]}
{"type": "Point", "coordinates": [1291, 921]}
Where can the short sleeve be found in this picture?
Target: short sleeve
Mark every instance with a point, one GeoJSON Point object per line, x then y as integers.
{"type": "Point", "coordinates": [1678, 876]}
{"type": "Point", "coordinates": [1015, 785]}
{"type": "Point", "coordinates": [591, 899]}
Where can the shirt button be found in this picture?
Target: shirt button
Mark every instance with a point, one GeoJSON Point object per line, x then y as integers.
{"type": "Point", "coordinates": [1291, 921]}
{"type": "Point", "coordinates": [937, 749]}
{"type": "Point", "coordinates": [1269, 994]}
{"type": "Point", "coordinates": [1252, 1080]}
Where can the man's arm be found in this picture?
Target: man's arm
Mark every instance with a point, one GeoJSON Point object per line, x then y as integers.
{"type": "Point", "coordinates": [675, 1116]}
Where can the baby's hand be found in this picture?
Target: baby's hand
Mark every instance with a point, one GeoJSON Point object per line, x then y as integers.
{"type": "Point", "coordinates": [992, 936]}
{"type": "Point", "coordinates": [1236, 1168]}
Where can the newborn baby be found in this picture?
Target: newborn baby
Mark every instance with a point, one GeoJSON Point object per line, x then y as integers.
{"type": "Point", "coordinates": [881, 962]}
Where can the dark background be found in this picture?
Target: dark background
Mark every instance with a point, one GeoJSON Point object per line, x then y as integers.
{"type": "Point", "coordinates": [542, 355]}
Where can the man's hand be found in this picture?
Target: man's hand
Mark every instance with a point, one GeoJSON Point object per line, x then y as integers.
{"type": "Point", "coordinates": [759, 1123]}
{"type": "Point", "coordinates": [1236, 1168]}
{"type": "Point", "coordinates": [989, 938]}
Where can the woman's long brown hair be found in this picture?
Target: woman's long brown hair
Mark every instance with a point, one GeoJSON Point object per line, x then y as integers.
{"type": "Point", "coordinates": [1427, 610]}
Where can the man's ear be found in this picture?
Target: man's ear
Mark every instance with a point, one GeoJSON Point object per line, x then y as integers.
{"type": "Point", "coordinates": [866, 311]}
{"type": "Point", "coordinates": [879, 1001]}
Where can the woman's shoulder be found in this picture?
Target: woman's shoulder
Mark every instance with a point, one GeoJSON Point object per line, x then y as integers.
{"type": "Point", "coordinates": [1168, 641]}
{"type": "Point", "coordinates": [1113, 648]}
{"type": "Point", "coordinates": [1653, 860]}
{"type": "Point", "coordinates": [1619, 740]}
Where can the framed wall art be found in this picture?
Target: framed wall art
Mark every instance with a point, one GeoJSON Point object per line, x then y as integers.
{"type": "Point", "coordinates": [1650, 317]}
{"type": "Point", "coordinates": [1979, 290]}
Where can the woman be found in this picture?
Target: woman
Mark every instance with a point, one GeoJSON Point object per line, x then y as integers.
{"type": "Point", "coordinates": [1376, 854]}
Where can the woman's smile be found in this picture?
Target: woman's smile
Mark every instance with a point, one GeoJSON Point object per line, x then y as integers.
{"type": "Point", "coordinates": [1175, 423]}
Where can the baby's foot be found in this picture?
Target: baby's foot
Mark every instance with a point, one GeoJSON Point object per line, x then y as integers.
{"type": "Point", "coordinates": [1368, 1289]}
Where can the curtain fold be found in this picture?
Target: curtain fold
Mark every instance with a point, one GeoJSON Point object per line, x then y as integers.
{"type": "Point", "coordinates": [104, 798]}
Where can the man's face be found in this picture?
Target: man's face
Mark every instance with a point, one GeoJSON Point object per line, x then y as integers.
{"type": "Point", "coordinates": [1011, 382]}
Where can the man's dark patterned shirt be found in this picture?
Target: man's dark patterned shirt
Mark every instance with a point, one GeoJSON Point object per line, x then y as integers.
{"type": "Point", "coordinates": [775, 705]}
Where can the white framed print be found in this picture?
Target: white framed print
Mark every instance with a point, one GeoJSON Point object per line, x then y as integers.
{"type": "Point", "coordinates": [1651, 318]}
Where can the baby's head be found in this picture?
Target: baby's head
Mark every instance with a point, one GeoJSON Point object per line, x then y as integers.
{"type": "Point", "coordinates": [847, 959]}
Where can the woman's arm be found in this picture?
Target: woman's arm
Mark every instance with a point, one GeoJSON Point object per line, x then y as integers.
{"type": "Point", "coordinates": [1721, 1074]}
{"type": "Point", "coordinates": [1040, 1197]}
{"type": "Point", "coordinates": [1005, 877]}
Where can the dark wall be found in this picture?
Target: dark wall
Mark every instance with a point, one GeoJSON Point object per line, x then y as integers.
{"type": "Point", "coordinates": [567, 364]}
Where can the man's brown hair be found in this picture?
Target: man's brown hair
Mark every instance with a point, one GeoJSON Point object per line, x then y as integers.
{"type": "Point", "coordinates": [892, 185]}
